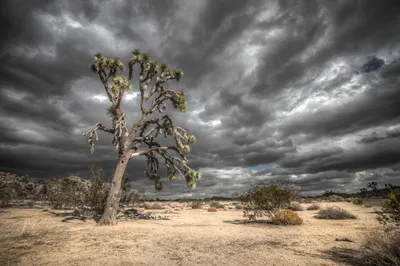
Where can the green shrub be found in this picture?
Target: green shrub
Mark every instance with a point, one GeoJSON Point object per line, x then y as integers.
{"type": "Point", "coordinates": [265, 199]}
{"type": "Point", "coordinates": [357, 201]}
{"type": "Point", "coordinates": [313, 207]}
{"type": "Point", "coordinates": [335, 213]}
{"type": "Point", "coordinates": [294, 206]}
{"type": "Point", "coordinates": [286, 217]}
{"type": "Point", "coordinates": [196, 204]}
{"type": "Point", "coordinates": [381, 248]}
{"type": "Point", "coordinates": [212, 209]}
{"type": "Point", "coordinates": [389, 216]}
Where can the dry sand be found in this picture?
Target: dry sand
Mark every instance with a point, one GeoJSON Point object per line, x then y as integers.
{"type": "Point", "coordinates": [190, 237]}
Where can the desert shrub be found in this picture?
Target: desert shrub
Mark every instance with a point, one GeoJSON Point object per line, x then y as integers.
{"type": "Point", "coordinates": [381, 248]}
{"type": "Point", "coordinates": [313, 207]}
{"type": "Point", "coordinates": [367, 205]}
{"type": "Point", "coordinates": [335, 198]}
{"type": "Point", "coordinates": [265, 199]}
{"type": "Point", "coordinates": [131, 196]}
{"type": "Point", "coordinates": [196, 204]}
{"type": "Point", "coordinates": [214, 204]}
{"type": "Point", "coordinates": [96, 196]}
{"type": "Point", "coordinates": [238, 207]}
{"type": "Point", "coordinates": [335, 213]}
{"type": "Point", "coordinates": [5, 198]}
{"type": "Point", "coordinates": [389, 216]}
{"type": "Point", "coordinates": [349, 200]}
{"type": "Point", "coordinates": [294, 206]}
{"type": "Point", "coordinates": [212, 209]}
{"type": "Point", "coordinates": [305, 200]}
{"type": "Point", "coordinates": [286, 217]}
{"type": "Point", "coordinates": [153, 206]}
{"type": "Point", "coordinates": [69, 192]}
{"type": "Point", "coordinates": [357, 201]}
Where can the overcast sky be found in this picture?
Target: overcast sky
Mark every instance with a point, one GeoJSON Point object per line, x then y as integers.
{"type": "Point", "coordinates": [305, 92]}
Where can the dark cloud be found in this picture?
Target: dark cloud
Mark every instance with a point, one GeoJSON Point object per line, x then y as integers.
{"type": "Point", "coordinates": [304, 92]}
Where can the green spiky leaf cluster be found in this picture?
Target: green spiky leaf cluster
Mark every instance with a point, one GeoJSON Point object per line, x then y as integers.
{"type": "Point", "coordinates": [179, 101]}
{"type": "Point", "coordinates": [191, 176]}
{"type": "Point", "coordinates": [120, 83]}
{"type": "Point", "coordinates": [112, 110]}
{"type": "Point", "coordinates": [103, 63]}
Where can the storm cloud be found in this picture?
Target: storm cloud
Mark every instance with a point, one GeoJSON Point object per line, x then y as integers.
{"type": "Point", "coordinates": [305, 92]}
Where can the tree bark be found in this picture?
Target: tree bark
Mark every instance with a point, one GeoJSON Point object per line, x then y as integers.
{"type": "Point", "coordinates": [114, 195]}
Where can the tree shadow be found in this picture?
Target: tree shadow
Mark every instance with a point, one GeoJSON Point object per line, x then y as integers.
{"type": "Point", "coordinates": [344, 255]}
{"type": "Point", "coordinates": [72, 215]}
{"type": "Point", "coordinates": [244, 221]}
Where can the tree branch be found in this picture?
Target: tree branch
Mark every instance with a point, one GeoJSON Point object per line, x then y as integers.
{"type": "Point", "coordinates": [141, 153]}
{"type": "Point", "coordinates": [94, 130]}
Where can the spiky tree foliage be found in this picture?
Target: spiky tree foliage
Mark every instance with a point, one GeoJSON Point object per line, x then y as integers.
{"type": "Point", "coordinates": [141, 138]}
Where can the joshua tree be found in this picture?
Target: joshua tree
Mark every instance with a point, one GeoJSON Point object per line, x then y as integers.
{"type": "Point", "coordinates": [140, 139]}
{"type": "Point", "coordinates": [373, 186]}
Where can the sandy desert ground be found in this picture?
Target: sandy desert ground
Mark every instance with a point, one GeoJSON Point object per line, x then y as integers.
{"type": "Point", "coordinates": [190, 237]}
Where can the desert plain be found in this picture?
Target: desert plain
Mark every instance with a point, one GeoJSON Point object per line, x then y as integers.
{"type": "Point", "coordinates": [37, 236]}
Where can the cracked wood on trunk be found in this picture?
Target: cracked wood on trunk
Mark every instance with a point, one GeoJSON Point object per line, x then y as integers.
{"type": "Point", "coordinates": [114, 195]}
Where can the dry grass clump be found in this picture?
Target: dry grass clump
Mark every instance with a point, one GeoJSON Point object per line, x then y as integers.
{"type": "Point", "coordinates": [313, 207]}
{"type": "Point", "coordinates": [381, 248]}
{"type": "Point", "coordinates": [286, 217]}
{"type": "Point", "coordinates": [357, 201]}
{"type": "Point", "coordinates": [367, 205]}
{"type": "Point", "coordinates": [294, 206]}
{"type": "Point", "coordinates": [212, 209]}
{"type": "Point", "coordinates": [335, 213]}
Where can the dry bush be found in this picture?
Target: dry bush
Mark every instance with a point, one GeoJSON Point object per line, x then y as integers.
{"type": "Point", "coordinates": [381, 248]}
{"type": "Point", "coordinates": [196, 204]}
{"type": "Point", "coordinates": [349, 200]}
{"type": "Point", "coordinates": [367, 205]}
{"type": "Point", "coordinates": [265, 199]}
{"type": "Point", "coordinates": [238, 206]}
{"type": "Point", "coordinates": [335, 198]}
{"type": "Point", "coordinates": [212, 209]}
{"type": "Point", "coordinates": [389, 216]}
{"type": "Point", "coordinates": [5, 198]}
{"type": "Point", "coordinates": [313, 207]}
{"type": "Point", "coordinates": [357, 201]}
{"type": "Point", "coordinates": [286, 217]}
{"type": "Point", "coordinates": [305, 200]}
{"type": "Point", "coordinates": [335, 213]}
{"type": "Point", "coordinates": [67, 192]}
{"type": "Point", "coordinates": [214, 204]}
{"type": "Point", "coordinates": [294, 206]}
{"type": "Point", "coordinates": [153, 206]}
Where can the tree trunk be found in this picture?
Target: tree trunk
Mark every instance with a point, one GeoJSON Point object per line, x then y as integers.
{"type": "Point", "coordinates": [114, 195]}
